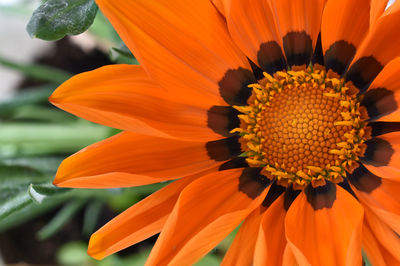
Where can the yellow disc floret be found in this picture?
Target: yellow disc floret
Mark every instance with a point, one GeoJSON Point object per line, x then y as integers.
{"type": "Point", "coordinates": [303, 127]}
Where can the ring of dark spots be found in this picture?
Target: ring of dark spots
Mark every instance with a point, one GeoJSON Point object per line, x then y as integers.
{"type": "Point", "coordinates": [318, 56]}
{"type": "Point", "coordinates": [274, 192]}
{"type": "Point", "coordinates": [385, 97]}
{"type": "Point", "coordinates": [290, 196]}
{"type": "Point", "coordinates": [233, 87]}
{"type": "Point", "coordinates": [380, 128]}
{"type": "Point", "coordinates": [322, 196]}
{"type": "Point", "coordinates": [363, 180]}
{"type": "Point", "coordinates": [338, 56]}
{"type": "Point", "coordinates": [222, 119]}
{"type": "Point", "coordinates": [298, 48]}
{"type": "Point", "coordinates": [363, 72]}
{"type": "Point", "coordinates": [252, 183]}
{"type": "Point", "coordinates": [270, 57]}
{"type": "Point", "coordinates": [238, 162]}
{"type": "Point", "coordinates": [223, 149]}
{"type": "Point", "coordinates": [379, 152]}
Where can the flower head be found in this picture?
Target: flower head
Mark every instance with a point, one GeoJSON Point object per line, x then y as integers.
{"type": "Point", "coordinates": [281, 114]}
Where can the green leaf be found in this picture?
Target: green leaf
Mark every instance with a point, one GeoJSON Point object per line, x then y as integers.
{"type": "Point", "coordinates": [14, 183]}
{"type": "Point", "coordinates": [39, 192]}
{"type": "Point", "coordinates": [16, 203]}
{"type": "Point", "coordinates": [47, 165]}
{"type": "Point", "coordinates": [122, 55]}
{"type": "Point", "coordinates": [45, 139]}
{"type": "Point", "coordinates": [41, 72]}
{"type": "Point", "coordinates": [32, 95]}
{"type": "Point", "coordinates": [27, 213]}
{"type": "Point", "coordinates": [92, 213]}
{"type": "Point", "coordinates": [60, 219]}
{"type": "Point", "coordinates": [57, 18]}
{"type": "Point", "coordinates": [365, 258]}
{"type": "Point", "coordinates": [209, 260]}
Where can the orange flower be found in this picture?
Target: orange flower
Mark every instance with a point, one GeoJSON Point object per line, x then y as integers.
{"type": "Point", "coordinates": [282, 114]}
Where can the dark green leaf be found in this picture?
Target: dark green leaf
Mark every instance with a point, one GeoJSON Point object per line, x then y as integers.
{"type": "Point", "coordinates": [60, 219]}
{"type": "Point", "coordinates": [27, 213]}
{"type": "Point", "coordinates": [38, 192]}
{"type": "Point", "coordinates": [14, 183]}
{"type": "Point", "coordinates": [16, 203]}
{"type": "Point", "coordinates": [92, 213]}
{"type": "Point", "coordinates": [57, 18]}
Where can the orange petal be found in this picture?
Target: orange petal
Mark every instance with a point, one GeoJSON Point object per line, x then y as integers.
{"type": "Point", "coordinates": [376, 253]}
{"type": "Point", "coordinates": [387, 238]}
{"type": "Point", "coordinates": [242, 249]}
{"type": "Point", "coordinates": [377, 9]}
{"type": "Point", "coordinates": [139, 222]}
{"type": "Point", "coordinates": [184, 46]}
{"type": "Point", "coordinates": [206, 212]}
{"type": "Point", "coordinates": [342, 31]}
{"type": "Point", "coordinates": [288, 258]}
{"type": "Point", "coordinates": [374, 191]}
{"type": "Point", "coordinates": [378, 48]}
{"type": "Point", "coordinates": [324, 228]}
{"type": "Point", "coordinates": [382, 156]}
{"type": "Point", "coordinates": [382, 99]}
{"type": "Point", "coordinates": [129, 159]}
{"type": "Point", "coordinates": [122, 96]}
{"type": "Point", "coordinates": [299, 24]}
{"type": "Point", "coordinates": [219, 5]}
{"type": "Point", "coordinates": [379, 194]}
{"type": "Point", "coordinates": [253, 28]}
{"type": "Point", "coordinates": [271, 241]}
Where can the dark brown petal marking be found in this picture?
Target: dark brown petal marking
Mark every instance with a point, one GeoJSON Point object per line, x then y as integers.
{"type": "Point", "coordinates": [222, 119]}
{"type": "Point", "coordinates": [223, 149]}
{"type": "Point", "coordinates": [252, 183]}
{"type": "Point", "coordinates": [379, 152]}
{"type": "Point", "coordinates": [290, 196]}
{"type": "Point", "coordinates": [239, 162]}
{"type": "Point", "coordinates": [363, 72]}
{"type": "Point", "coordinates": [338, 56]}
{"type": "Point", "coordinates": [345, 184]}
{"type": "Point", "coordinates": [380, 128]}
{"type": "Point", "coordinates": [233, 87]}
{"type": "Point", "coordinates": [318, 57]}
{"type": "Point", "coordinates": [298, 48]}
{"type": "Point", "coordinates": [387, 103]}
{"type": "Point", "coordinates": [258, 72]}
{"type": "Point", "coordinates": [270, 57]}
{"type": "Point", "coordinates": [321, 197]}
{"type": "Point", "coordinates": [363, 180]}
{"type": "Point", "coordinates": [274, 192]}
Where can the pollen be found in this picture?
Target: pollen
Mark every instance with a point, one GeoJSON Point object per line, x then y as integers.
{"type": "Point", "coordinates": [303, 127]}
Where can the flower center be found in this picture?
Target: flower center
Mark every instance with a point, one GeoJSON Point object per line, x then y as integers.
{"type": "Point", "coordinates": [303, 127]}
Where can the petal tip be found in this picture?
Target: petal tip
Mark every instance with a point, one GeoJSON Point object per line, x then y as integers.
{"type": "Point", "coordinates": [94, 248]}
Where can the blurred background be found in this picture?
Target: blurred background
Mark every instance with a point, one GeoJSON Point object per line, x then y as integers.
{"type": "Point", "coordinates": [41, 224]}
